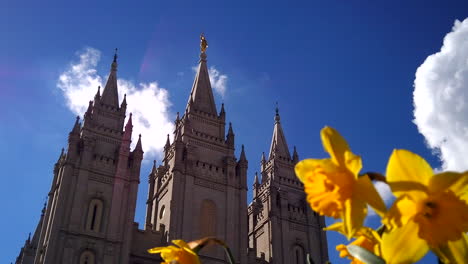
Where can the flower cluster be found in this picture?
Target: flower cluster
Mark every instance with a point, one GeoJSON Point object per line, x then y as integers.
{"type": "Point", "coordinates": [430, 211]}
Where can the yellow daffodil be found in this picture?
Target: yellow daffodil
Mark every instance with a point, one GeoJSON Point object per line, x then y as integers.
{"type": "Point", "coordinates": [333, 185]}
{"type": "Point", "coordinates": [182, 254]}
{"type": "Point", "coordinates": [430, 212]}
{"type": "Point", "coordinates": [366, 238]}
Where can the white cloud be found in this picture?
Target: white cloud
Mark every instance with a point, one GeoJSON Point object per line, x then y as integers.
{"type": "Point", "coordinates": [148, 102]}
{"type": "Point", "coordinates": [218, 80]}
{"type": "Point", "coordinates": [440, 97]}
{"type": "Point", "coordinates": [385, 192]}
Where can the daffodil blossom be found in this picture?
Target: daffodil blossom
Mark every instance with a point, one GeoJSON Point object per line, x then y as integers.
{"type": "Point", "coordinates": [334, 187]}
{"type": "Point", "coordinates": [430, 212]}
{"type": "Point", "coordinates": [182, 254]}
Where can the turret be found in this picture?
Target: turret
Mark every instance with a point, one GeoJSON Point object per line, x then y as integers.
{"type": "Point", "coordinates": [230, 137]}
{"type": "Point", "coordinates": [295, 156]}
{"type": "Point", "coordinates": [222, 113]}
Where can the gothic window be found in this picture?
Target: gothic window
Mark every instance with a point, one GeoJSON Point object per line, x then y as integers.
{"type": "Point", "coordinates": [298, 254]}
{"type": "Point", "coordinates": [87, 257]}
{"type": "Point", "coordinates": [94, 217]}
{"type": "Point", "coordinates": [208, 217]}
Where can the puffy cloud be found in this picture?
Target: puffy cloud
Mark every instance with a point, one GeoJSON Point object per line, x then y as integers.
{"type": "Point", "coordinates": [148, 102]}
{"type": "Point", "coordinates": [440, 96]}
{"type": "Point", "coordinates": [218, 81]}
{"type": "Point", "coordinates": [385, 192]}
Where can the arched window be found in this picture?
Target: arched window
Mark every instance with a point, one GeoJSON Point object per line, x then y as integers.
{"type": "Point", "coordinates": [298, 254]}
{"type": "Point", "coordinates": [93, 220]}
{"type": "Point", "coordinates": [87, 257]}
{"type": "Point", "coordinates": [208, 216]}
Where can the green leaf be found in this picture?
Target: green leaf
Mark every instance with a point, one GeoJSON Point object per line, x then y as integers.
{"type": "Point", "coordinates": [364, 255]}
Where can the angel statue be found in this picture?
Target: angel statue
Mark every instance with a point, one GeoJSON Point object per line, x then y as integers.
{"type": "Point", "coordinates": [203, 43]}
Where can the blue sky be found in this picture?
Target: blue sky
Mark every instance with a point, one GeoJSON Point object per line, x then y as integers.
{"type": "Point", "coordinates": [347, 64]}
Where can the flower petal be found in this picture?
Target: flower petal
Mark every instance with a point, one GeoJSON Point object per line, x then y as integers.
{"type": "Point", "coordinates": [402, 210]}
{"type": "Point", "coordinates": [454, 251]}
{"type": "Point", "coordinates": [456, 182]}
{"type": "Point", "coordinates": [334, 144]}
{"type": "Point", "coordinates": [406, 171]}
{"type": "Point", "coordinates": [161, 249]}
{"type": "Point", "coordinates": [306, 167]}
{"type": "Point", "coordinates": [365, 190]}
{"type": "Point", "coordinates": [355, 212]}
{"type": "Point", "coordinates": [353, 163]}
{"type": "Point", "coordinates": [403, 245]}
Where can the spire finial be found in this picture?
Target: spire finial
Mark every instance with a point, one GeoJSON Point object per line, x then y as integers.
{"type": "Point", "coordinates": [277, 116]}
{"type": "Point", "coordinates": [114, 62]}
{"type": "Point", "coordinates": [203, 43]}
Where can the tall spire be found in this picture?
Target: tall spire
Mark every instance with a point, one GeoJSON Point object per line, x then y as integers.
{"type": "Point", "coordinates": [278, 147]}
{"type": "Point", "coordinates": [110, 94]}
{"type": "Point", "coordinates": [201, 96]}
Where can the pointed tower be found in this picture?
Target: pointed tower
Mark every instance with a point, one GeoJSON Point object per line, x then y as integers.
{"type": "Point", "coordinates": [89, 217]}
{"type": "Point", "coordinates": [110, 95]}
{"type": "Point", "coordinates": [282, 227]}
{"type": "Point", "coordinates": [200, 190]}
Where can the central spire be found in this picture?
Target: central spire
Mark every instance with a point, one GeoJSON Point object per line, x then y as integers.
{"type": "Point", "coordinates": [278, 147]}
{"type": "Point", "coordinates": [201, 97]}
{"type": "Point", "coordinates": [110, 94]}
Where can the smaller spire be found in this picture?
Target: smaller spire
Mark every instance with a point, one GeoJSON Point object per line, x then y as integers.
{"type": "Point", "coordinates": [168, 143]}
{"type": "Point", "coordinates": [77, 126]}
{"type": "Point", "coordinates": [256, 183]}
{"type": "Point", "coordinates": [230, 129]}
{"type": "Point", "coordinates": [98, 94]}
{"type": "Point", "coordinates": [129, 124]}
{"type": "Point", "coordinates": [242, 157]}
{"type": "Point", "coordinates": [222, 113]}
{"type": "Point", "coordinates": [295, 156]}
{"type": "Point", "coordinates": [44, 208]}
{"type": "Point", "coordinates": [124, 102]}
{"type": "Point", "coordinates": [177, 118]}
{"type": "Point", "coordinates": [89, 110]}
{"type": "Point", "coordinates": [153, 170]}
{"type": "Point", "coordinates": [128, 129]}
{"type": "Point", "coordinates": [138, 146]}
{"type": "Point", "coordinates": [29, 238]}
{"type": "Point", "coordinates": [230, 136]}
{"type": "Point", "coordinates": [263, 162]}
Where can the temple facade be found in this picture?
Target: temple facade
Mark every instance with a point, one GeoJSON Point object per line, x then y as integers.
{"type": "Point", "coordinates": [198, 190]}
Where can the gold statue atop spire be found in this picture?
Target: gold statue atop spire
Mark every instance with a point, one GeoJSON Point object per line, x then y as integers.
{"type": "Point", "coordinates": [203, 43]}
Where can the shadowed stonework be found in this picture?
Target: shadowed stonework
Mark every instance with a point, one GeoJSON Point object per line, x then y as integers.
{"type": "Point", "coordinates": [198, 190]}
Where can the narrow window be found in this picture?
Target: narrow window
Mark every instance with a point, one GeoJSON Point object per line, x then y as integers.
{"type": "Point", "coordinates": [94, 217]}
{"type": "Point", "coordinates": [93, 220]}
{"type": "Point", "coordinates": [208, 215]}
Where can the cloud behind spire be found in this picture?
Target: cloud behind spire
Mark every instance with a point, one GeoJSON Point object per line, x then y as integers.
{"type": "Point", "coordinates": [148, 102]}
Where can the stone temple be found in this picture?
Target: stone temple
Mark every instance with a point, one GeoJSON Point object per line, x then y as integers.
{"type": "Point", "coordinates": [199, 190]}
